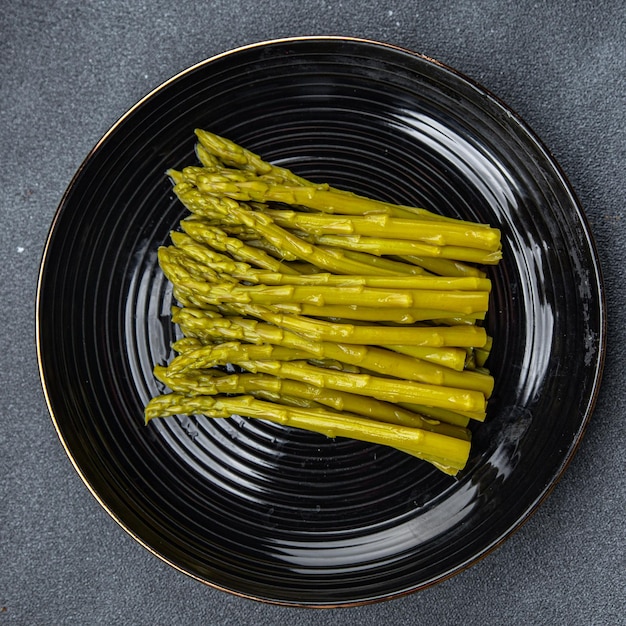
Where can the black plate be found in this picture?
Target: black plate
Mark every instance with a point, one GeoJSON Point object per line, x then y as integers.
{"type": "Point", "coordinates": [278, 514]}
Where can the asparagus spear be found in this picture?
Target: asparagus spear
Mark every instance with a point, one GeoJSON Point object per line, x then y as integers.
{"type": "Point", "coordinates": [320, 330]}
{"type": "Point", "coordinates": [347, 313]}
{"type": "Point", "coordinates": [458, 417]}
{"type": "Point", "coordinates": [337, 314]}
{"type": "Point", "coordinates": [481, 355]}
{"type": "Point", "coordinates": [223, 265]}
{"type": "Point", "coordinates": [203, 383]}
{"type": "Point", "coordinates": [387, 389]}
{"type": "Point", "coordinates": [237, 156]}
{"type": "Point", "coordinates": [386, 264]}
{"type": "Point", "coordinates": [198, 356]}
{"type": "Point", "coordinates": [462, 234]}
{"type": "Point", "coordinates": [216, 238]}
{"type": "Point", "coordinates": [462, 303]}
{"type": "Point", "coordinates": [234, 155]}
{"type": "Point", "coordinates": [372, 358]}
{"type": "Point", "coordinates": [242, 188]}
{"type": "Point", "coordinates": [450, 451]}
{"type": "Point", "coordinates": [331, 260]}
{"type": "Point", "coordinates": [216, 292]}
{"type": "Point", "coordinates": [325, 330]}
{"type": "Point", "coordinates": [442, 267]}
{"type": "Point", "coordinates": [380, 246]}
{"type": "Point", "coordinates": [210, 205]}
{"type": "Point", "coordinates": [451, 357]}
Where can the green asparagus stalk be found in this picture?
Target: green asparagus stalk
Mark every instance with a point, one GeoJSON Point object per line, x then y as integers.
{"type": "Point", "coordinates": [386, 389]}
{"type": "Point", "coordinates": [378, 264]}
{"type": "Point", "coordinates": [331, 260]}
{"type": "Point", "coordinates": [203, 383]}
{"type": "Point", "coordinates": [321, 330]}
{"type": "Point", "coordinates": [481, 355]}
{"type": "Point", "coordinates": [339, 314]}
{"type": "Point", "coordinates": [442, 267]}
{"type": "Point", "coordinates": [233, 155]}
{"type": "Point", "coordinates": [272, 250]}
{"type": "Point", "coordinates": [342, 330]}
{"type": "Point", "coordinates": [373, 358]}
{"type": "Point", "coordinates": [449, 451]}
{"type": "Point", "coordinates": [450, 357]}
{"type": "Point", "coordinates": [236, 156]}
{"type": "Point", "coordinates": [452, 301]}
{"type": "Point", "coordinates": [457, 418]}
{"type": "Point", "coordinates": [379, 246]}
{"type": "Point", "coordinates": [454, 358]}
{"type": "Point", "coordinates": [208, 160]}
{"type": "Point", "coordinates": [463, 303]}
{"type": "Point", "coordinates": [244, 189]}
{"type": "Point", "coordinates": [318, 198]}
{"type": "Point", "coordinates": [392, 266]}
{"type": "Point", "coordinates": [186, 344]}
{"type": "Point", "coordinates": [194, 356]}
{"type": "Point", "coordinates": [353, 313]}
{"type": "Point", "coordinates": [217, 239]}
{"type": "Point", "coordinates": [223, 265]}
{"type": "Point", "coordinates": [462, 234]}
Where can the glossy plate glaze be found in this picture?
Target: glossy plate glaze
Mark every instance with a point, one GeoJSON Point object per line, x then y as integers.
{"type": "Point", "coordinates": [282, 515]}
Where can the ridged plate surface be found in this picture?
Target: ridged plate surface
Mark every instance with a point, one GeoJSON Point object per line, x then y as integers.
{"type": "Point", "coordinates": [270, 512]}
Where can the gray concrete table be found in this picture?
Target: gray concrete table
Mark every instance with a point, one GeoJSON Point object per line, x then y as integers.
{"type": "Point", "coordinates": [69, 69]}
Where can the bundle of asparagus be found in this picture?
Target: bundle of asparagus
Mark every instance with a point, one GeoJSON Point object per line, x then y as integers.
{"type": "Point", "coordinates": [344, 315]}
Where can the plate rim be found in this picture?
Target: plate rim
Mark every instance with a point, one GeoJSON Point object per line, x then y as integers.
{"type": "Point", "coordinates": [598, 283]}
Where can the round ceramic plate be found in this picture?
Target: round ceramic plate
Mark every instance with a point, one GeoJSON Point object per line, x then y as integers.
{"type": "Point", "coordinates": [270, 512]}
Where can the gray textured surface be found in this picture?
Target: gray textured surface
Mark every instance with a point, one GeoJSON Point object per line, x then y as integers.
{"type": "Point", "coordinates": [69, 69]}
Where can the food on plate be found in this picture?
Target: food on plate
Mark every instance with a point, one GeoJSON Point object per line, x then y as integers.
{"type": "Point", "coordinates": [324, 310]}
